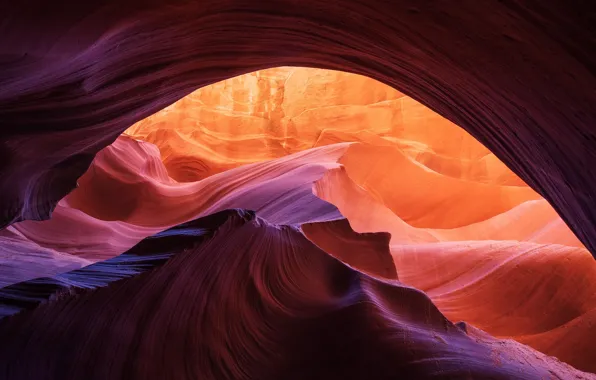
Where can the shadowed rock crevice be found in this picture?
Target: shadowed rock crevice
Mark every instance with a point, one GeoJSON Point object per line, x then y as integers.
{"type": "Point", "coordinates": [146, 255]}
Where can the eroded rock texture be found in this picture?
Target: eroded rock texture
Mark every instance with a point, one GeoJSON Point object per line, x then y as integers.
{"type": "Point", "coordinates": [275, 307]}
{"type": "Point", "coordinates": [517, 75]}
{"type": "Point", "coordinates": [377, 225]}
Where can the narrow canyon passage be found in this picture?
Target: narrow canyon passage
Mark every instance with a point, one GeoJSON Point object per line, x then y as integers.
{"type": "Point", "coordinates": [338, 165]}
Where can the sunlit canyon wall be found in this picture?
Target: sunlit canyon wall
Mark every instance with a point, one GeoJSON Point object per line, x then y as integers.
{"type": "Point", "coordinates": [370, 215]}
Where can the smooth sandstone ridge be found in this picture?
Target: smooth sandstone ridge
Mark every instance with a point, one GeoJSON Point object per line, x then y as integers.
{"type": "Point", "coordinates": [275, 307]}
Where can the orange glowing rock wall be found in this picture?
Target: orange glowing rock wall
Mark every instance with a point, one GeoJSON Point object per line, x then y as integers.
{"type": "Point", "coordinates": [271, 113]}
{"type": "Point", "coordinates": [464, 228]}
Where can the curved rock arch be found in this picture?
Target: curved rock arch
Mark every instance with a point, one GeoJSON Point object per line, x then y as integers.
{"type": "Point", "coordinates": [517, 75]}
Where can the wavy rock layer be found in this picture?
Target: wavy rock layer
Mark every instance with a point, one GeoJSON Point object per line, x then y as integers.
{"type": "Point", "coordinates": [521, 274]}
{"type": "Point", "coordinates": [518, 76]}
{"type": "Point", "coordinates": [127, 195]}
{"type": "Point", "coordinates": [276, 296]}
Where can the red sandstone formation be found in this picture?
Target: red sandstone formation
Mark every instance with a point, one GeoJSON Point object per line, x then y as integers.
{"type": "Point", "coordinates": [483, 229]}
{"type": "Point", "coordinates": [483, 246]}
{"type": "Point", "coordinates": [368, 253]}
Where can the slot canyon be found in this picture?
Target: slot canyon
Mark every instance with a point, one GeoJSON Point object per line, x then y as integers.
{"type": "Point", "coordinates": [297, 190]}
